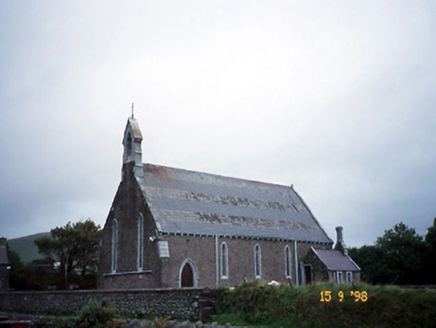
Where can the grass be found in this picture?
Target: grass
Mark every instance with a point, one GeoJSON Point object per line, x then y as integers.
{"type": "Point", "coordinates": [255, 303]}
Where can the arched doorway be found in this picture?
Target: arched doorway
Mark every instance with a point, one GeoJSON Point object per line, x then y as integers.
{"type": "Point", "coordinates": [188, 274]}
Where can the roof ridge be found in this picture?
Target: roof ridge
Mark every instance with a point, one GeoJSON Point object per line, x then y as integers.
{"type": "Point", "coordinates": [221, 176]}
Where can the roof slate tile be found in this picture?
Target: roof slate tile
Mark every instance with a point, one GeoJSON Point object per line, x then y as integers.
{"type": "Point", "coordinates": [183, 201]}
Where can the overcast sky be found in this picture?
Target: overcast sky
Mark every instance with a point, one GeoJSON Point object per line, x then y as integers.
{"type": "Point", "coordinates": [335, 97]}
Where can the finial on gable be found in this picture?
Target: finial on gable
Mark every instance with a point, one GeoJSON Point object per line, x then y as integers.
{"type": "Point", "coordinates": [133, 107]}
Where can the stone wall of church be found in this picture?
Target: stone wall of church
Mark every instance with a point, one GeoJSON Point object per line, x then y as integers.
{"type": "Point", "coordinates": [201, 252]}
{"type": "Point", "coordinates": [128, 204]}
{"type": "Point", "coordinates": [241, 260]}
{"type": "Point", "coordinates": [319, 270]}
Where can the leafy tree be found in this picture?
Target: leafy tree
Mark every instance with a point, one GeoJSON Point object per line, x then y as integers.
{"type": "Point", "coordinates": [370, 260]}
{"type": "Point", "coordinates": [403, 255]}
{"type": "Point", "coordinates": [430, 255]}
{"type": "Point", "coordinates": [400, 256]}
{"type": "Point", "coordinates": [87, 246]}
{"type": "Point", "coordinates": [74, 246]}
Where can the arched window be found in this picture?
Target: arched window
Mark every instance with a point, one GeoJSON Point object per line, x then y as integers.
{"type": "Point", "coordinates": [129, 144]}
{"type": "Point", "coordinates": [140, 253]}
{"type": "Point", "coordinates": [257, 261]}
{"type": "Point", "coordinates": [114, 245]}
{"type": "Point", "coordinates": [288, 262]}
{"type": "Point", "coordinates": [224, 261]}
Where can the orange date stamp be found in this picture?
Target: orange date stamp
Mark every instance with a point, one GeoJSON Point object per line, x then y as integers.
{"type": "Point", "coordinates": [358, 296]}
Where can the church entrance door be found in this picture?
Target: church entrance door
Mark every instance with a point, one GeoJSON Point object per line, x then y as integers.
{"type": "Point", "coordinates": [308, 274]}
{"type": "Point", "coordinates": [187, 276]}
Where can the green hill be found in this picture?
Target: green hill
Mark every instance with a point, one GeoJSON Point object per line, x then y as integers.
{"type": "Point", "coordinates": [26, 248]}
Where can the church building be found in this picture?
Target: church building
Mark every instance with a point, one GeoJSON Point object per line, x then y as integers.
{"type": "Point", "coordinates": [174, 228]}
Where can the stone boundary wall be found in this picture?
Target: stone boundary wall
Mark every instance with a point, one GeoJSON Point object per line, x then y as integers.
{"type": "Point", "coordinates": [191, 303]}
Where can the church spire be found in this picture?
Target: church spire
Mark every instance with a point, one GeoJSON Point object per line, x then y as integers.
{"type": "Point", "coordinates": [132, 145]}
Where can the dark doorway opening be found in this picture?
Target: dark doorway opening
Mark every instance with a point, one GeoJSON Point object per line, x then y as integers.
{"type": "Point", "coordinates": [187, 276]}
{"type": "Point", "coordinates": [308, 274]}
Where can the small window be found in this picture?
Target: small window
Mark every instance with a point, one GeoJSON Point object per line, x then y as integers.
{"type": "Point", "coordinates": [224, 261]}
{"type": "Point", "coordinates": [129, 144]}
{"type": "Point", "coordinates": [114, 245]}
{"type": "Point", "coordinates": [140, 253]}
{"type": "Point", "coordinates": [288, 264]}
{"type": "Point", "coordinates": [339, 277]}
{"type": "Point", "coordinates": [350, 277]}
{"type": "Point", "coordinates": [257, 261]}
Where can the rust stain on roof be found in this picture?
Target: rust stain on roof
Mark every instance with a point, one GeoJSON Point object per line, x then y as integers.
{"type": "Point", "coordinates": [158, 172]}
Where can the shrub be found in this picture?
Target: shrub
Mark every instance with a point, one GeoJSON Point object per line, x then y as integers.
{"type": "Point", "coordinates": [260, 304]}
{"type": "Point", "coordinates": [96, 314]}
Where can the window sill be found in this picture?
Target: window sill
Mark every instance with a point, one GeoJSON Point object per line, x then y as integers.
{"type": "Point", "coordinates": [126, 273]}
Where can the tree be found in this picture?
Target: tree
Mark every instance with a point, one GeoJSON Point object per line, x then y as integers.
{"type": "Point", "coordinates": [87, 246]}
{"type": "Point", "coordinates": [74, 246]}
{"type": "Point", "coordinates": [370, 260]}
{"type": "Point", "coordinates": [430, 255]}
{"type": "Point", "coordinates": [403, 255]}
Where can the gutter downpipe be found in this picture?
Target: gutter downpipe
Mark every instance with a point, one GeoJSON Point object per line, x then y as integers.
{"type": "Point", "coordinates": [296, 263]}
{"type": "Point", "coordinates": [216, 262]}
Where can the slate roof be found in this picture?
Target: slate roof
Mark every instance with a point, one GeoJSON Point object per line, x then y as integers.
{"type": "Point", "coordinates": [183, 201]}
{"type": "Point", "coordinates": [335, 260]}
{"type": "Point", "coordinates": [135, 128]}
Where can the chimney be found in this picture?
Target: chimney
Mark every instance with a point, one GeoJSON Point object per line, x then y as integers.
{"type": "Point", "coordinates": [3, 241]}
{"type": "Point", "coordinates": [340, 245]}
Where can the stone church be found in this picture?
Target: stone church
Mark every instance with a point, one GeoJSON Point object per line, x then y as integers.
{"type": "Point", "coordinates": [174, 228]}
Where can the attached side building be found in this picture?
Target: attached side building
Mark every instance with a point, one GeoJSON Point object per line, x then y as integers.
{"type": "Point", "coordinates": [170, 227]}
{"type": "Point", "coordinates": [334, 265]}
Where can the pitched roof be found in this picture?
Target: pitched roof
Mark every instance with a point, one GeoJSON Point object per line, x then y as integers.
{"type": "Point", "coordinates": [183, 201]}
{"type": "Point", "coordinates": [335, 260]}
{"type": "Point", "coordinates": [134, 126]}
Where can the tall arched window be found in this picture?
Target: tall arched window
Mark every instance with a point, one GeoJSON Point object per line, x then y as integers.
{"type": "Point", "coordinates": [257, 261]}
{"type": "Point", "coordinates": [140, 253]}
{"type": "Point", "coordinates": [224, 261]}
{"type": "Point", "coordinates": [288, 262]}
{"type": "Point", "coordinates": [129, 144]}
{"type": "Point", "coordinates": [114, 245]}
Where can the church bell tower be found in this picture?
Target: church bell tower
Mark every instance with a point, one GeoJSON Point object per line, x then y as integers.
{"type": "Point", "coordinates": [132, 146]}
